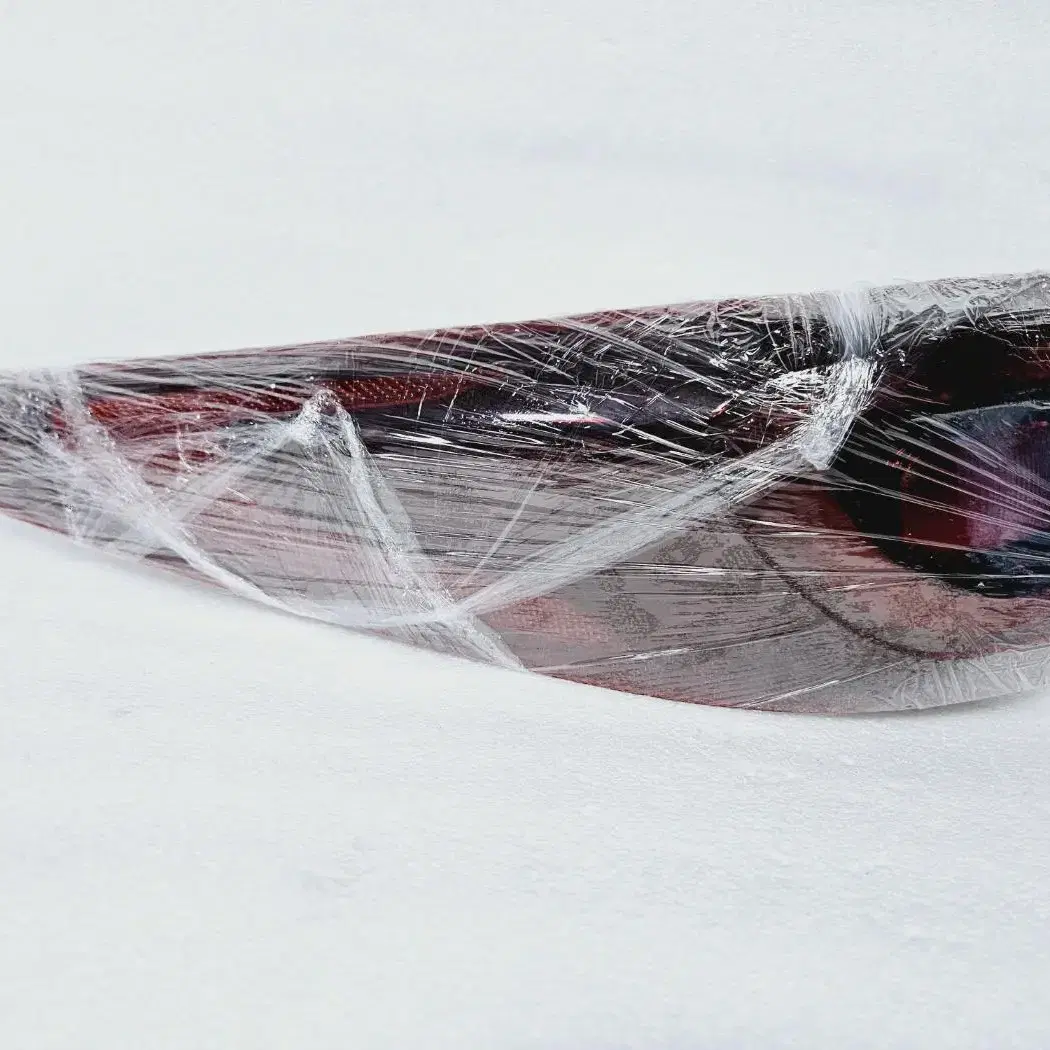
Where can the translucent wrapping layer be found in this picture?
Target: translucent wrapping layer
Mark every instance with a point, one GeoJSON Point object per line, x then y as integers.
{"type": "Point", "coordinates": [836, 502]}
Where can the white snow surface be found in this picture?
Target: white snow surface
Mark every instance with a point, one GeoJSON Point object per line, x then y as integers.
{"type": "Point", "coordinates": [221, 827]}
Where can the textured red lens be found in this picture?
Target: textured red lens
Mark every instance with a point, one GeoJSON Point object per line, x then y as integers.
{"type": "Point", "coordinates": [149, 415]}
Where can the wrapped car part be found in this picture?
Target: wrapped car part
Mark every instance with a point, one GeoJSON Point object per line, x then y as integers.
{"type": "Point", "coordinates": [832, 502]}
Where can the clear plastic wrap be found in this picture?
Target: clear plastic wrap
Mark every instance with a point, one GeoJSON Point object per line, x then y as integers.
{"type": "Point", "coordinates": [832, 502]}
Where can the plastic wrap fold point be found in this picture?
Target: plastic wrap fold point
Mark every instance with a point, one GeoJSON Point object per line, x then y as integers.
{"type": "Point", "coordinates": [829, 502]}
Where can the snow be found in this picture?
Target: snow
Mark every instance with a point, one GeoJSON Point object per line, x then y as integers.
{"type": "Point", "coordinates": [223, 827]}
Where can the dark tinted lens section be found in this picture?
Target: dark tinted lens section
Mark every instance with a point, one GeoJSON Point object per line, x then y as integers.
{"type": "Point", "coordinates": [963, 495]}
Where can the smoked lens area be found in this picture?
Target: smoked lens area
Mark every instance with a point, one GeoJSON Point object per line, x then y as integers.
{"type": "Point", "coordinates": [949, 473]}
{"type": "Point", "coordinates": [930, 534]}
{"type": "Point", "coordinates": [964, 496]}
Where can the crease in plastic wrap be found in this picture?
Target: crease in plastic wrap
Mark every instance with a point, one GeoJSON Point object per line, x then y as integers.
{"type": "Point", "coordinates": [829, 502]}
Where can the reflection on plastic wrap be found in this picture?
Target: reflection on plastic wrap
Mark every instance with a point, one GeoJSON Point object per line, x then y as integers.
{"type": "Point", "coordinates": [816, 503]}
